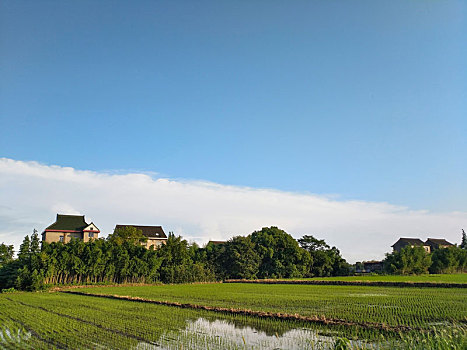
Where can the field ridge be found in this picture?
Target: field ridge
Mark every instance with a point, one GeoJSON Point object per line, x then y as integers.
{"type": "Point", "coordinates": [263, 314]}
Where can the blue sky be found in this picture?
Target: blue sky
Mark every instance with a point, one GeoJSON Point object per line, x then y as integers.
{"type": "Point", "coordinates": [363, 100]}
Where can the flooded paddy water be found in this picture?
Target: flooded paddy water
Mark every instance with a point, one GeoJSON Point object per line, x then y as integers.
{"type": "Point", "coordinates": [66, 321]}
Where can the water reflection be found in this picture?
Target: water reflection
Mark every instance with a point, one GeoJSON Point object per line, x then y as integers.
{"type": "Point", "coordinates": [221, 334]}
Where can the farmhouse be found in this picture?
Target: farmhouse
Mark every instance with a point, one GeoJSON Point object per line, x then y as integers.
{"type": "Point", "coordinates": [411, 242]}
{"type": "Point", "coordinates": [436, 243]}
{"type": "Point", "coordinates": [67, 227]}
{"type": "Point", "coordinates": [372, 266]}
{"type": "Point", "coordinates": [155, 234]}
{"type": "Point", "coordinates": [429, 245]}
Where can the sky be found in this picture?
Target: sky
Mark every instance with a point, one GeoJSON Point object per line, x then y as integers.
{"type": "Point", "coordinates": [357, 107]}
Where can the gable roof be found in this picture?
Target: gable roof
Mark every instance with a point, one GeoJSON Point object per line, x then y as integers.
{"type": "Point", "coordinates": [68, 222]}
{"type": "Point", "coordinates": [411, 241]}
{"type": "Point", "coordinates": [148, 231]}
{"type": "Point", "coordinates": [439, 241]}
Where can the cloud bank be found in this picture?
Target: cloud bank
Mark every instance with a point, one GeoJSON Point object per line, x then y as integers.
{"type": "Point", "coordinates": [31, 194]}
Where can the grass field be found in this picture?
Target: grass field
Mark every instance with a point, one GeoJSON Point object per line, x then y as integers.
{"type": "Point", "coordinates": [65, 321]}
{"type": "Point", "coordinates": [415, 307]}
{"type": "Point", "coordinates": [446, 278]}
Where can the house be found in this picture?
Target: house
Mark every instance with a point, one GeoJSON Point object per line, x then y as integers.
{"type": "Point", "coordinates": [217, 242]}
{"type": "Point", "coordinates": [67, 227]}
{"type": "Point", "coordinates": [436, 243]}
{"type": "Point", "coordinates": [155, 234]}
{"type": "Point", "coordinates": [411, 242]}
{"type": "Point", "coordinates": [372, 266]}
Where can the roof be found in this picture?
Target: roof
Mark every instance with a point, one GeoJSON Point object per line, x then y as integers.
{"type": "Point", "coordinates": [411, 241]}
{"type": "Point", "coordinates": [148, 231]}
{"type": "Point", "coordinates": [439, 241]}
{"type": "Point", "coordinates": [217, 242]}
{"type": "Point", "coordinates": [68, 222]}
{"type": "Point", "coordinates": [372, 262]}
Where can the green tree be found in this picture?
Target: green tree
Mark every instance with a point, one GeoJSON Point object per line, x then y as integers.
{"type": "Point", "coordinates": [6, 254]}
{"type": "Point", "coordinates": [127, 234]}
{"type": "Point", "coordinates": [448, 260]}
{"type": "Point", "coordinates": [240, 259]}
{"type": "Point", "coordinates": [324, 260]}
{"type": "Point", "coordinates": [464, 240]}
{"type": "Point", "coordinates": [280, 254]}
{"type": "Point", "coordinates": [407, 261]}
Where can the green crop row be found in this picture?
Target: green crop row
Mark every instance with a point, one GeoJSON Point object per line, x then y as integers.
{"type": "Point", "coordinates": [414, 307]}
{"type": "Point", "coordinates": [65, 321]}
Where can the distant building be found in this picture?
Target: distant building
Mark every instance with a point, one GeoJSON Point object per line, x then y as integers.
{"type": "Point", "coordinates": [217, 242]}
{"type": "Point", "coordinates": [155, 234]}
{"type": "Point", "coordinates": [372, 266]}
{"type": "Point", "coordinates": [429, 245]}
{"type": "Point", "coordinates": [67, 227]}
{"type": "Point", "coordinates": [411, 242]}
{"type": "Point", "coordinates": [437, 243]}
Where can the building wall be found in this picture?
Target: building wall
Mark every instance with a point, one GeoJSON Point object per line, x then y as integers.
{"type": "Point", "coordinates": [156, 242]}
{"type": "Point", "coordinates": [399, 245]}
{"type": "Point", "coordinates": [86, 237]}
{"type": "Point", "coordinates": [67, 236]}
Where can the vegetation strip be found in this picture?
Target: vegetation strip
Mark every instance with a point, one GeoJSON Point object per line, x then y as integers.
{"type": "Point", "coordinates": [354, 283]}
{"type": "Point", "coordinates": [80, 320]}
{"type": "Point", "coordinates": [281, 316]}
{"type": "Point", "coordinates": [54, 344]}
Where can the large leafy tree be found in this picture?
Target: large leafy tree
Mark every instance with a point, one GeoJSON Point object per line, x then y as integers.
{"type": "Point", "coordinates": [324, 260]}
{"type": "Point", "coordinates": [240, 258]}
{"type": "Point", "coordinates": [409, 260]}
{"type": "Point", "coordinates": [281, 256]}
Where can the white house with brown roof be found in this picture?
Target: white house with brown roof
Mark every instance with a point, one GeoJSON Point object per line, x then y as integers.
{"type": "Point", "coordinates": [155, 234]}
{"type": "Point", "coordinates": [67, 227]}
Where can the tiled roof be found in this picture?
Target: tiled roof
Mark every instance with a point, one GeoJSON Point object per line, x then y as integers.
{"type": "Point", "coordinates": [148, 231]}
{"type": "Point", "coordinates": [411, 241]}
{"type": "Point", "coordinates": [217, 242]}
{"type": "Point", "coordinates": [439, 241]}
{"type": "Point", "coordinates": [69, 223]}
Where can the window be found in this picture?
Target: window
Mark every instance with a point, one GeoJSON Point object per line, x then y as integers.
{"type": "Point", "coordinates": [62, 238]}
{"type": "Point", "coordinates": [91, 234]}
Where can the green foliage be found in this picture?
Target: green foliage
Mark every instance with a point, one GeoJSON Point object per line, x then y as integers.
{"type": "Point", "coordinates": [240, 259]}
{"type": "Point", "coordinates": [414, 307]}
{"type": "Point", "coordinates": [464, 240]}
{"type": "Point", "coordinates": [409, 260]}
{"type": "Point", "coordinates": [55, 320]}
{"type": "Point", "coordinates": [449, 260]}
{"type": "Point", "coordinates": [6, 254]}
{"type": "Point", "coordinates": [324, 260]}
{"type": "Point", "coordinates": [8, 290]}
{"type": "Point", "coordinates": [342, 344]}
{"type": "Point", "coordinates": [128, 234]}
{"type": "Point", "coordinates": [280, 254]}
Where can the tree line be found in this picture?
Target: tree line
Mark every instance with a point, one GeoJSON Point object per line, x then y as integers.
{"type": "Point", "coordinates": [120, 258]}
{"type": "Point", "coordinates": [415, 261]}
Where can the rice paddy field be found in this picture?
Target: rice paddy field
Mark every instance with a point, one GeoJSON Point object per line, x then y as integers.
{"type": "Point", "coordinates": [435, 318]}
{"type": "Point", "coordinates": [432, 278]}
{"type": "Point", "coordinates": [414, 307]}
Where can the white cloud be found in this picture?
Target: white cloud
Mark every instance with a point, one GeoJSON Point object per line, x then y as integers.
{"type": "Point", "coordinates": [31, 194]}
